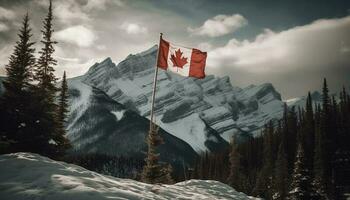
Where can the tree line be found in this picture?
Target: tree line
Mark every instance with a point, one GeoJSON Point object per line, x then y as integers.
{"type": "Point", "coordinates": [305, 155]}
{"type": "Point", "coordinates": [117, 166]}
{"type": "Point", "coordinates": [32, 108]}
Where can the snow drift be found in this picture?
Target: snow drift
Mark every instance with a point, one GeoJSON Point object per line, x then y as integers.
{"type": "Point", "coordinates": [31, 176]}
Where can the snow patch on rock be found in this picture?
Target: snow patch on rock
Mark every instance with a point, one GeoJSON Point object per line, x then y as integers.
{"type": "Point", "coordinates": [118, 114]}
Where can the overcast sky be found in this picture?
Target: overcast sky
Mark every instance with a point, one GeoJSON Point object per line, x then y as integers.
{"type": "Point", "coordinates": [290, 43]}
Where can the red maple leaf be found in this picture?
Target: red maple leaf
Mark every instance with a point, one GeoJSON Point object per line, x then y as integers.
{"type": "Point", "coordinates": [177, 59]}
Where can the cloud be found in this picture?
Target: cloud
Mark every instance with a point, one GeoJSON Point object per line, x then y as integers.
{"type": "Point", "coordinates": [74, 68]}
{"type": "Point", "coordinates": [313, 46]}
{"type": "Point", "coordinates": [67, 59]}
{"type": "Point", "coordinates": [73, 12]}
{"type": "Point", "coordinates": [133, 28]}
{"type": "Point", "coordinates": [4, 55]}
{"type": "Point", "coordinates": [101, 4]}
{"type": "Point", "coordinates": [205, 46]}
{"type": "Point", "coordinates": [294, 60]}
{"type": "Point", "coordinates": [101, 47]}
{"type": "Point", "coordinates": [3, 27]}
{"type": "Point", "coordinates": [69, 12]}
{"type": "Point", "coordinates": [220, 25]}
{"type": "Point", "coordinates": [6, 14]}
{"type": "Point", "coordinates": [78, 35]}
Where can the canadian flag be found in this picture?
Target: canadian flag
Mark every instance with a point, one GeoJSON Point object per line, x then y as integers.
{"type": "Point", "coordinates": [181, 60]}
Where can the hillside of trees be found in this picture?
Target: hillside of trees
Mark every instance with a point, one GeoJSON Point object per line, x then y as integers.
{"type": "Point", "coordinates": [305, 155]}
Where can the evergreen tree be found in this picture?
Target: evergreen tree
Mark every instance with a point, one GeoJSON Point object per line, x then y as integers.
{"type": "Point", "coordinates": [308, 132]}
{"type": "Point", "coordinates": [300, 179]}
{"type": "Point", "coordinates": [291, 137]}
{"type": "Point", "coordinates": [319, 176]}
{"type": "Point", "coordinates": [14, 103]}
{"type": "Point", "coordinates": [281, 175]}
{"type": "Point", "coordinates": [62, 141]}
{"type": "Point", "coordinates": [326, 134]}
{"type": "Point", "coordinates": [343, 106]}
{"type": "Point", "coordinates": [234, 178]}
{"type": "Point", "coordinates": [153, 171]}
{"type": "Point", "coordinates": [344, 127]}
{"type": "Point", "coordinates": [48, 129]}
{"type": "Point", "coordinates": [45, 71]}
{"type": "Point", "coordinates": [264, 180]}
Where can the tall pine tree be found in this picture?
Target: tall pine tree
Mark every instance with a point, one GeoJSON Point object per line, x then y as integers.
{"type": "Point", "coordinates": [235, 178]}
{"type": "Point", "coordinates": [49, 130]}
{"type": "Point", "coordinates": [326, 134]}
{"type": "Point", "coordinates": [153, 171]}
{"type": "Point", "coordinates": [300, 188]}
{"type": "Point", "coordinates": [15, 115]}
{"type": "Point", "coordinates": [291, 137]}
{"type": "Point", "coordinates": [308, 132]}
{"type": "Point", "coordinates": [62, 141]}
{"type": "Point", "coordinates": [264, 180]}
{"type": "Point", "coordinates": [319, 175]}
{"type": "Point", "coordinates": [280, 183]}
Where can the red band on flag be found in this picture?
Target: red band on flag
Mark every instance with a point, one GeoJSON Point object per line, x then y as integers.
{"type": "Point", "coordinates": [163, 52]}
{"type": "Point", "coordinates": [197, 65]}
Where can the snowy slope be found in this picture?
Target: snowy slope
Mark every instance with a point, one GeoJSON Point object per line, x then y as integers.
{"type": "Point", "coordinates": [30, 176]}
{"type": "Point", "coordinates": [211, 101]}
{"type": "Point", "coordinates": [98, 124]}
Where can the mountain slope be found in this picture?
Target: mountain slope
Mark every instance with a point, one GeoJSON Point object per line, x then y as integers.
{"type": "Point", "coordinates": [30, 176]}
{"type": "Point", "coordinates": [184, 106]}
{"type": "Point", "coordinates": [98, 124]}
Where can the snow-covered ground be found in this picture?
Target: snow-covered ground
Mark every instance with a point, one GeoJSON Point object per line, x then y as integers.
{"type": "Point", "coordinates": [31, 176]}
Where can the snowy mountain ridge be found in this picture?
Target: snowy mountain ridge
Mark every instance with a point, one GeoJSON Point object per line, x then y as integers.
{"type": "Point", "coordinates": [186, 107]}
{"type": "Point", "coordinates": [204, 113]}
{"type": "Point", "coordinates": [31, 176]}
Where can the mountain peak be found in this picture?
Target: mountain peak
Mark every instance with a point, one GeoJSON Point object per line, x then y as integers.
{"type": "Point", "coordinates": [151, 50]}
{"type": "Point", "coordinates": [269, 88]}
{"type": "Point", "coordinates": [108, 60]}
{"type": "Point", "coordinates": [102, 66]}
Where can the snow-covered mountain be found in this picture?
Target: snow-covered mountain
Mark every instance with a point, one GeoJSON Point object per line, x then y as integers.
{"type": "Point", "coordinates": [30, 176]}
{"type": "Point", "coordinates": [98, 124]}
{"type": "Point", "coordinates": [187, 108]}
{"type": "Point", "coordinates": [204, 113]}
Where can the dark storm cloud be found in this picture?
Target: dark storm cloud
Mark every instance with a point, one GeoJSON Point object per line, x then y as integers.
{"type": "Point", "coordinates": [284, 42]}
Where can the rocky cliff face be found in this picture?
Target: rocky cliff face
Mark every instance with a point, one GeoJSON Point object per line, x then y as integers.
{"type": "Point", "coordinates": [187, 108]}
{"type": "Point", "coordinates": [98, 124]}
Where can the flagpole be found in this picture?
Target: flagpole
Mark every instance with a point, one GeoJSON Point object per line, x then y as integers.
{"type": "Point", "coordinates": [151, 124]}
